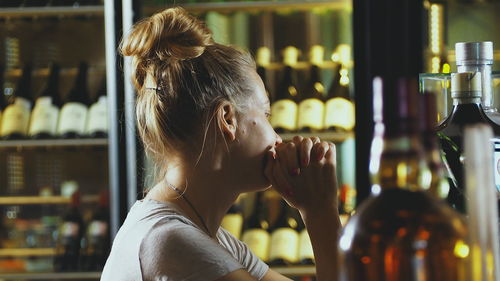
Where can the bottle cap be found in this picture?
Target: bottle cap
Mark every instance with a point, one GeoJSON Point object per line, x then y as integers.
{"type": "Point", "coordinates": [316, 54]}
{"type": "Point", "coordinates": [474, 52]}
{"type": "Point", "coordinates": [466, 85]}
{"type": "Point", "coordinates": [290, 55]}
{"type": "Point", "coordinates": [263, 56]}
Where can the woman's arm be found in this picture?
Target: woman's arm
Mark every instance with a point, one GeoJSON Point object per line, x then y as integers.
{"type": "Point", "coordinates": [243, 275]}
{"type": "Point", "coordinates": [304, 173]}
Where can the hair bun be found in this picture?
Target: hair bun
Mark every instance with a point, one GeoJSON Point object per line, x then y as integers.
{"type": "Point", "coordinates": [172, 33]}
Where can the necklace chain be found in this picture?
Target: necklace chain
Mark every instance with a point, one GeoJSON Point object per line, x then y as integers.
{"type": "Point", "coordinates": [181, 194]}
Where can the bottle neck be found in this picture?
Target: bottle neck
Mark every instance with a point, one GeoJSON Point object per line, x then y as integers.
{"type": "Point", "coordinates": [487, 98]}
{"type": "Point", "coordinates": [398, 162]}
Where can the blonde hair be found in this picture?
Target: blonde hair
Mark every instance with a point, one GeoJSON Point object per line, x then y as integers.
{"type": "Point", "coordinates": [181, 76]}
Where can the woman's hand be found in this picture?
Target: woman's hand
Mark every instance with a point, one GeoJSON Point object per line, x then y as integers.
{"type": "Point", "coordinates": [303, 171]}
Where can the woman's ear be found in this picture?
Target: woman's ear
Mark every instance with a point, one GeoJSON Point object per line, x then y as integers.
{"type": "Point", "coordinates": [226, 119]}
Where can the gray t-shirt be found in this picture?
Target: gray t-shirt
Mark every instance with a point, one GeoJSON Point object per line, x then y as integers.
{"type": "Point", "coordinates": [157, 243]}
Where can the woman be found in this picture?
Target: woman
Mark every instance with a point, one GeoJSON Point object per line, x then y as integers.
{"type": "Point", "coordinates": [202, 114]}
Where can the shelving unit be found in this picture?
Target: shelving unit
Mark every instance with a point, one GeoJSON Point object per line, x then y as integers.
{"type": "Point", "coordinates": [52, 276]}
{"type": "Point", "coordinates": [24, 252]}
{"type": "Point", "coordinates": [38, 12]}
{"type": "Point", "coordinates": [54, 143]}
{"type": "Point", "coordinates": [259, 6]}
{"type": "Point", "coordinates": [43, 200]}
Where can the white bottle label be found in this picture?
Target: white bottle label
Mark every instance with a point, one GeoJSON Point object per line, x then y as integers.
{"type": "Point", "coordinates": [311, 112]}
{"type": "Point", "coordinates": [284, 115]}
{"type": "Point", "coordinates": [98, 228]}
{"type": "Point", "coordinates": [284, 243]}
{"type": "Point", "coordinates": [16, 118]}
{"type": "Point", "coordinates": [44, 117]}
{"type": "Point", "coordinates": [69, 229]}
{"type": "Point", "coordinates": [258, 242]}
{"type": "Point", "coordinates": [98, 116]}
{"type": "Point", "coordinates": [233, 224]}
{"type": "Point", "coordinates": [72, 118]}
{"type": "Point", "coordinates": [305, 246]}
{"type": "Point", "coordinates": [339, 113]}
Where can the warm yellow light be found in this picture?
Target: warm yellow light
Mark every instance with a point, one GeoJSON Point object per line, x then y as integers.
{"type": "Point", "coordinates": [461, 249]}
{"type": "Point", "coordinates": [446, 68]}
{"type": "Point", "coordinates": [435, 64]}
{"type": "Point", "coordinates": [402, 173]}
{"type": "Point", "coordinates": [435, 28]}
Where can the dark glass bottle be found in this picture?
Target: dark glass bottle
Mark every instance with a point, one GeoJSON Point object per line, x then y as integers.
{"type": "Point", "coordinates": [284, 238]}
{"type": "Point", "coordinates": [256, 229]}
{"type": "Point", "coordinates": [45, 113]}
{"type": "Point", "coordinates": [16, 115]}
{"type": "Point", "coordinates": [233, 220]}
{"type": "Point", "coordinates": [339, 108]}
{"type": "Point", "coordinates": [97, 236]}
{"type": "Point", "coordinates": [73, 116]}
{"type": "Point", "coordinates": [70, 234]}
{"type": "Point", "coordinates": [263, 59]}
{"type": "Point", "coordinates": [284, 108]}
{"type": "Point", "coordinates": [402, 232]}
{"type": "Point", "coordinates": [97, 124]}
{"type": "Point", "coordinates": [311, 107]}
{"type": "Point", "coordinates": [467, 110]}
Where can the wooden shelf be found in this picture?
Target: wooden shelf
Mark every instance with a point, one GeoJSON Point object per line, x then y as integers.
{"type": "Point", "coordinates": [52, 143]}
{"type": "Point", "coordinates": [51, 276]}
{"type": "Point", "coordinates": [327, 136]}
{"type": "Point", "coordinates": [40, 12]}
{"type": "Point", "coordinates": [43, 200]}
{"type": "Point", "coordinates": [256, 6]}
{"type": "Point", "coordinates": [295, 271]}
{"type": "Point", "coordinates": [26, 252]}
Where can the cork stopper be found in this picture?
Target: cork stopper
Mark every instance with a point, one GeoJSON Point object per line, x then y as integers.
{"type": "Point", "coordinates": [474, 53]}
{"type": "Point", "coordinates": [316, 54]}
{"type": "Point", "coordinates": [263, 56]}
{"type": "Point", "coordinates": [466, 85]}
{"type": "Point", "coordinates": [290, 56]}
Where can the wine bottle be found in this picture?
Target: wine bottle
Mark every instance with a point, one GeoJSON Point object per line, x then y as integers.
{"type": "Point", "coordinates": [339, 108]}
{"type": "Point", "coordinates": [256, 234]}
{"type": "Point", "coordinates": [311, 107]}
{"type": "Point", "coordinates": [438, 181]}
{"type": "Point", "coordinates": [284, 109]}
{"type": "Point", "coordinates": [263, 60]}
{"type": "Point", "coordinates": [478, 57]}
{"type": "Point", "coordinates": [2, 97]}
{"type": "Point", "coordinates": [73, 114]}
{"type": "Point", "coordinates": [97, 124]}
{"type": "Point", "coordinates": [45, 114]}
{"type": "Point", "coordinates": [402, 231]}
{"type": "Point", "coordinates": [233, 220]}
{"type": "Point", "coordinates": [69, 237]}
{"type": "Point", "coordinates": [16, 116]}
{"type": "Point", "coordinates": [284, 238]}
{"type": "Point", "coordinates": [467, 109]}
{"type": "Point", "coordinates": [305, 251]}
{"type": "Point", "coordinates": [97, 236]}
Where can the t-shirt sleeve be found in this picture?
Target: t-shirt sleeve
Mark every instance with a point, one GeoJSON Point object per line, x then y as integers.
{"type": "Point", "coordinates": [255, 266]}
{"type": "Point", "coordinates": [176, 251]}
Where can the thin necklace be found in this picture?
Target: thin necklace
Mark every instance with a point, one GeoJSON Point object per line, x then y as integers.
{"type": "Point", "coordinates": [181, 194]}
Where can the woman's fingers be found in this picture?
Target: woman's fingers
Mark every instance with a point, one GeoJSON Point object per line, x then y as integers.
{"type": "Point", "coordinates": [319, 150]}
{"type": "Point", "coordinates": [288, 158]}
{"type": "Point", "coordinates": [305, 152]}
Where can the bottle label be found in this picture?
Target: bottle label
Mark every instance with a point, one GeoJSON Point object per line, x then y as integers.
{"type": "Point", "coordinates": [311, 113]}
{"type": "Point", "coordinates": [258, 242]}
{"type": "Point", "coordinates": [44, 117]}
{"type": "Point", "coordinates": [284, 243]}
{"type": "Point", "coordinates": [496, 166]}
{"type": "Point", "coordinates": [16, 118]}
{"type": "Point", "coordinates": [69, 229]}
{"type": "Point", "coordinates": [233, 224]}
{"type": "Point", "coordinates": [284, 115]}
{"type": "Point", "coordinates": [305, 246]}
{"type": "Point", "coordinates": [339, 114]}
{"type": "Point", "coordinates": [98, 228]}
{"type": "Point", "coordinates": [98, 117]}
{"type": "Point", "coordinates": [73, 118]}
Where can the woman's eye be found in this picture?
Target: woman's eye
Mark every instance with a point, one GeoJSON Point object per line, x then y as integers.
{"type": "Point", "coordinates": [268, 114]}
